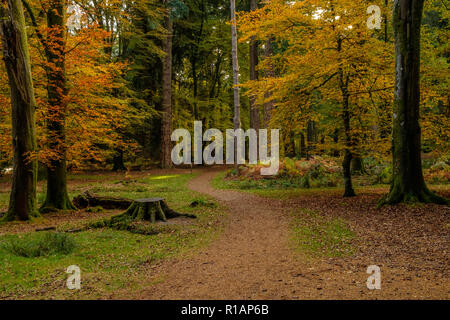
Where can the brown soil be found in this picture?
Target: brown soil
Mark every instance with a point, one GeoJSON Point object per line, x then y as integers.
{"type": "Point", "coordinates": [252, 259]}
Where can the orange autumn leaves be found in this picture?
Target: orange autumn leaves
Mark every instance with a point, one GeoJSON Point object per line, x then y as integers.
{"type": "Point", "coordinates": [323, 47]}
{"type": "Point", "coordinates": [94, 104]}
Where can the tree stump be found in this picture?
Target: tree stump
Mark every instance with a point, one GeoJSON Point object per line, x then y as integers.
{"type": "Point", "coordinates": [151, 209]}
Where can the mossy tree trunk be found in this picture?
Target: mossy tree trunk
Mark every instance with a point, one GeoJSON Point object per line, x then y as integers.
{"type": "Point", "coordinates": [22, 203]}
{"type": "Point", "coordinates": [408, 183]}
{"type": "Point", "coordinates": [57, 197]}
{"type": "Point", "coordinates": [151, 210]}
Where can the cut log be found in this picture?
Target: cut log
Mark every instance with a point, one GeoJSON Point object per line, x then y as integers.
{"type": "Point", "coordinates": [88, 199]}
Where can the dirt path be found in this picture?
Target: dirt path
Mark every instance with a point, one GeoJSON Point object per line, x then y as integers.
{"type": "Point", "coordinates": [252, 259]}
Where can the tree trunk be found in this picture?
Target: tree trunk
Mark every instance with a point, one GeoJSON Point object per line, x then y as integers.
{"type": "Point", "coordinates": [358, 165]}
{"type": "Point", "coordinates": [311, 137]}
{"type": "Point", "coordinates": [346, 116]}
{"type": "Point", "coordinates": [166, 128]}
{"type": "Point", "coordinates": [268, 105]}
{"type": "Point", "coordinates": [88, 199]}
{"type": "Point", "coordinates": [22, 203]}
{"type": "Point", "coordinates": [254, 108]}
{"type": "Point", "coordinates": [408, 183]}
{"type": "Point", "coordinates": [57, 197]}
{"type": "Point", "coordinates": [149, 210]}
{"type": "Point", "coordinates": [234, 53]}
{"type": "Point", "coordinates": [303, 152]}
{"type": "Point", "coordinates": [118, 163]}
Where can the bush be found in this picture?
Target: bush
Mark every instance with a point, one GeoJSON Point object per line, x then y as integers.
{"type": "Point", "coordinates": [41, 245]}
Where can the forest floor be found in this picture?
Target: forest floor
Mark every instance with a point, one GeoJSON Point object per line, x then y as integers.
{"type": "Point", "coordinates": [246, 244]}
{"type": "Point", "coordinates": [311, 246]}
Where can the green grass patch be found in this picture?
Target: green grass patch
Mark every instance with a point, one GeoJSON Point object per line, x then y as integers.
{"type": "Point", "coordinates": [319, 236]}
{"type": "Point", "coordinates": [40, 244]}
{"type": "Point", "coordinates": [111, 259]}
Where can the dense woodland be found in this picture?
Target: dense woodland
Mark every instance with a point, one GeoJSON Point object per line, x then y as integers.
{"type": "Point", "coordinates": [92, 205]}
{"type": "Point", "coordinates": [96, 84]}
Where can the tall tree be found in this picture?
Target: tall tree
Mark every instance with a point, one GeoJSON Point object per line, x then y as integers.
{"type": "Point", "coordinates": [234, 54]}
{"type": "Point", "coordinates": [408, 183]}
{"type": "Point", "coordinates": [254, 108]}
{"type": "Point", "coordinates": [22, 204]}
{"type": "Point", "coordinates": [57, 197]}
{"type": "Point", "coordinates": [166, 123]}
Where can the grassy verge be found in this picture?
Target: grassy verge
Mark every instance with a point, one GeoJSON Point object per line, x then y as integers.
{"type": "Point", "coordinates": [319, 236]}
{"type": "Point", "coordinates": [109, 259]}
{"type": "Point", "coordinates": [268, 188]}
{"type": "Point", "coordinates": [283, 188]}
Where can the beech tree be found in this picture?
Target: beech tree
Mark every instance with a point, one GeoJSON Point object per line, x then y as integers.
{"type": "Point", "coordinates": [234, 54]}
{"type": "Point", "coordinates": [22, 204]}
{"type": "Point", "coordinates": [55, 46]}
{"type": "Point", "coordinates": [408, 183]}
{"type": "Point", "coordinates": [166, 127]}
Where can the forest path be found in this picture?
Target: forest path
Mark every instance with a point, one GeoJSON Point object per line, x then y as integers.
{"type": "Point", "coordinates": [251, 259]}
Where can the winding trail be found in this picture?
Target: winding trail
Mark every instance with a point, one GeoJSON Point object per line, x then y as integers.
{"type": "Point", "coordinates": [252, 260]}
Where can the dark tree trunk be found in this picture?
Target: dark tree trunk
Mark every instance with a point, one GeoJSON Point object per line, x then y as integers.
{"type": "Point", "coordinates": [88, 199]}
{"type": "Point", "coordinates": [166, 127]}
{"type": "Point", "coordinates": [311, 137]}
{"type": "Point", "coordinates": [303, 152]}
{"type": "Point", "coordinates": [254, 108]}
{"type": "Point", "coordinates": [336, 140]}
{"type": "Point", "coordinates": [22, 203]}
{"type": "Point", "coordinates": [268, 105]}
{"type": "Point", "coordinates": [358, 165]}
{"type": "Point", "coordinates": [346, 164]}
{"type": "Point", "coordinates": [346, 116]}
{"type": "Point", "coordinates": [57, 197]}
{"type": "Point", "coordinates": [407, 182]}
{"type": "Point", "coordinates": [290, 151]}
{"type": "Point", "coordinates": [118, 162]}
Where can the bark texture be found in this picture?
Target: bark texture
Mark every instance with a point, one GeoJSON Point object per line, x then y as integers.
{"type": "Point", "coordinates": [408, 183]}
{"type": "Point", "coordinates": [57, 197]}
{"type": "Point", "coordinates": [234, 53]}
{"type": "Point", "coordinates": [22, 203]}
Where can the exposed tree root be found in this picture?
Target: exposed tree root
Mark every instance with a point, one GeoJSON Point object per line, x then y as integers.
{"type": "Point", "coordinates": [397, 195]}
{"type": "Point", "coordinates": [150, 210]}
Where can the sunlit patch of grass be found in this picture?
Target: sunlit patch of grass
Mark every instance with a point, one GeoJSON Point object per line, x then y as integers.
{"type": "Point", "coordinates": [317, 236]}
{"type": "Point", "coordinates": [164, 177]}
